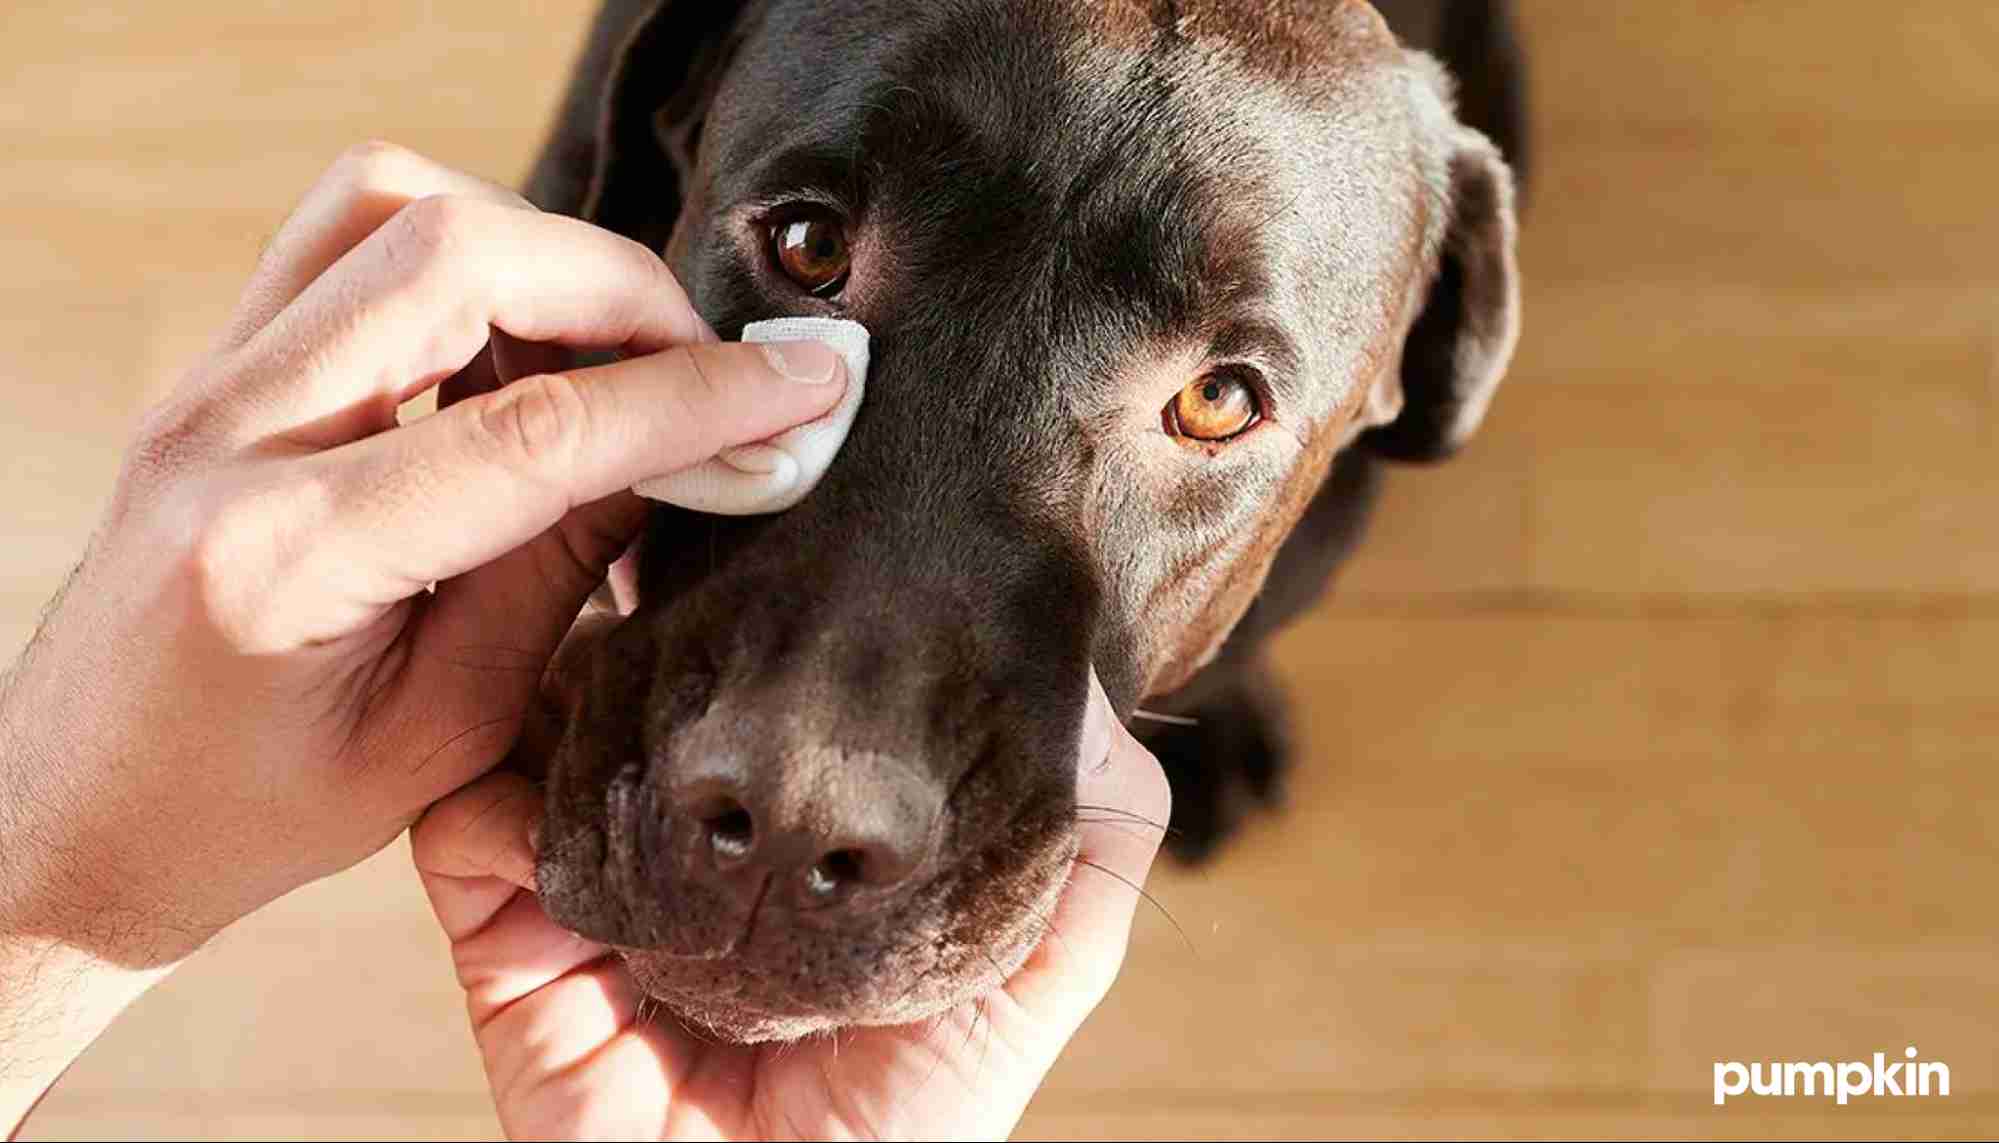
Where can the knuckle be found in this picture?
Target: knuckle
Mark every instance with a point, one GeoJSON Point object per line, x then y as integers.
{"type": "Point", "coordinates": [228, 550]}
{"type": "Point", "coordinates": [240, 549]}
{"type": "Point", "coordinates": [373, 162]}
{"type": "Point", "coordinates": [175, 438]}
{"type": "Point", "coordinates": [224, 538]}
{"type": "Point", "coordinates": [432, 232]}
{"type": "Point", "coordinates": [168, 440]}
{"type": "Point", "coordinates": [650, 280]}
{"type": "Point", "coordinates": [390, 170]}
{"type": "Point", "coordinates": [647, 268]}
{"type": "Point", "coordinates": [535, 421]}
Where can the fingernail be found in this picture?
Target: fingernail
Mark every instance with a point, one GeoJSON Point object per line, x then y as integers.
{"type": "Point", "coordinates": [757, 460]}
{"type": "Point", "coordinates": [807, 362]}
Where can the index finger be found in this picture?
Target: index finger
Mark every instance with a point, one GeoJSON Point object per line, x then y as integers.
{"type": "Point", "coordinates": [417, 300]}
{"type": "Point", "coordinates": [363, 189]}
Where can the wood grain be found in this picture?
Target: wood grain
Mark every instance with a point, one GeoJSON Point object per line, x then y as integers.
{"type": "Point", "coordinates": [1657, 729]}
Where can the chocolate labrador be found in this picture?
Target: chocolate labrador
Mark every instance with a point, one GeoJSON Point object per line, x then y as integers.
{"type": "Point", "coordinates": [1154, 287]}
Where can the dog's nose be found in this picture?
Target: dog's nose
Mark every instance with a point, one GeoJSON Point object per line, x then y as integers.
{"type": "Point", "coordinates": [817, 831]}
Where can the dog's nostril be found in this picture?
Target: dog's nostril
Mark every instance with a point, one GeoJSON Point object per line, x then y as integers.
{"type": "Point", "coordinates": [834, 872]}
{"type": "Point", "coordinates": [731, 831]}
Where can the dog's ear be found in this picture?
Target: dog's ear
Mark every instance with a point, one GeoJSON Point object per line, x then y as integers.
{"type": "Point", "coordinates": [624, 149]}
{"type": "Point", "coordinates": [1463, 338]}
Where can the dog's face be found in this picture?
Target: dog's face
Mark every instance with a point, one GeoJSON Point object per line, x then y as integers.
{"type": "Point", "coordinates": [1131, 288]}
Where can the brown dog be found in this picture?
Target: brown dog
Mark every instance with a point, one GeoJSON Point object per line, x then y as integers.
{"type": "Point", "coordinates": [1138, 274]}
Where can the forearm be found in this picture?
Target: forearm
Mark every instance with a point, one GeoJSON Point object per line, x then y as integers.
{"type": "Point", "coordinates": [55, 999]}
{"type": "Point", "coordinates": [70, 958]}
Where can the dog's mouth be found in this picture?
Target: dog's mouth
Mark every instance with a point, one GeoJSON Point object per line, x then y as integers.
{"type": "Point", "coordinates": [765, 972]}
{"type": "Point", "coordinates": [734, 931]}
{"type": "Point", "coordinates": [954, 941]}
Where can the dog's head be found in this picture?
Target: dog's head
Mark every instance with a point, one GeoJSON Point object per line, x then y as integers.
{"type": "Point", "coordinates": [1132, 285]}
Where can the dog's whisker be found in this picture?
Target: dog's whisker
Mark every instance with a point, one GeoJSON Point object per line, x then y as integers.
{"type": "Point", "coordinates": [1140, 890]}
{"type": "Point", "coordinates": [1120, 814]}
{"type": "Point", "coordinates": [1126, 826]}
{"type": "Point", "coordinates": [1050, 929]}
{"type": "Point", "coordinates": [646, 1013]}
{"type": "Point", "coordinates": [999, 973]}
{"type": "Point", "coordinates": [1126, 820]}
{"type": "Point", "coordinates": [696, 1030]}
{"type": "Point", "coordinates": [936, 1023]}
{"type": "Point", "coordinates": [564, 847]}
{"type": "Point", "coordinates": [977, 1009]}
{"type": "Point", "coordinates": [985, 1011]}
{"type": "Point", "coordinates": [1164, 719]}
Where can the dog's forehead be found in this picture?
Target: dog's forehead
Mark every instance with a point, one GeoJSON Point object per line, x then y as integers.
{"type": "Point", "coordinates": [1300, 41]}
{"type": "Point", "coordinates": [1057, 73]}
{"type": "Point", "coordinates": [1250, 155]}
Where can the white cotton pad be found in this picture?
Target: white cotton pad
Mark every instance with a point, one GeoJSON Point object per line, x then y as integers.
{"type": "Point", "coordinates": [777, 474]}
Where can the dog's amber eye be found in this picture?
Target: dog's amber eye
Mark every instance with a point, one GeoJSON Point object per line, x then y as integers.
{"type": "Point", "coordinates": [1215, 408]}
{"type": "Point", "coordinates": [812, 251]}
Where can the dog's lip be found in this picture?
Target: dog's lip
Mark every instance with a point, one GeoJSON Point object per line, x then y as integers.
{"type": "Point", "coordinates": [564, 683]}
{"type": "Point", "coordinates": [731, 950]}
{"type": "Point", "coordinates": [564, 689]}
{"type": "Point", "coordinates": [1020, 940]}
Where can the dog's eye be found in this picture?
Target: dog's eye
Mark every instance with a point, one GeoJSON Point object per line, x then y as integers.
{"type": "Point", "coordinates": [1218, 407]}
{"type": "Point", "coordinates": [812, 251]}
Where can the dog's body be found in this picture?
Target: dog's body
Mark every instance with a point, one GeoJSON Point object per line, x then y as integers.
{"type": "Point", "coordinates": [824, 775]}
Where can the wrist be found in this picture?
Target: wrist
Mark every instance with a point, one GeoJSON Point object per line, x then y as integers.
{"type": "Point", "coordinates": [55, 1000]}
{"type": "Point", "coordinates": [71, 957]}
{"type": "Point", "coordinates": [90, 856]}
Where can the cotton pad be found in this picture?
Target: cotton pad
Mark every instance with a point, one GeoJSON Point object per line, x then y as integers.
{"type": "Point", "coordinates": [770, 477]}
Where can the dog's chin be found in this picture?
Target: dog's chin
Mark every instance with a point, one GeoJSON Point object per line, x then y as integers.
{"type": "Point", "coordinates": [915, 965]}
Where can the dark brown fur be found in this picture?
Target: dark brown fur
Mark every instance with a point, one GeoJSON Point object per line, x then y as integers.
{"type": "Point", "coordinates": [1063, 212]}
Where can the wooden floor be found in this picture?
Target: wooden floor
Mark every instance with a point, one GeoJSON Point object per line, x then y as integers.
{"type": "Point", "coordinates": [1659, 730]}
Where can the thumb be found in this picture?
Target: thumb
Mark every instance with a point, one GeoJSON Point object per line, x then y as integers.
{"type": "Point", "coordinates": [520, 504]}
{"type": "Point", "coordinates": [456, 491]}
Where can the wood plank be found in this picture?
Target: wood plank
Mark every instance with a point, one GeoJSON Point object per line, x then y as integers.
{"type": "Point", "coordinates": [1337, 1118]}
{"type": "Point", "coordinates": [1581, 329]}
{"type": "Point", "coordinates": [150, 68]}
{"type": "Point", "coordinates": [1764, 489]}
{"type": "Point", "coordinates": [1810, 1002]}
{"type": "Point", "coordinates": [1510, 829]}
{"type": "Point", "coordinates": [230, 170]}
{"type": "Point", "coordinates": [287, 968]}
{"type": "Point", "coordinates": [125, 1121]}
{"type": "Point", "coordinates": [1720, 211]}
{"type": "Point", "coordinates": [72, 356]}
{"type": "Point", "coordinates": [1763, 69]}
{"type": "Point", "coordinates": [1655, 729]}
{"type": "Point", "coordinates": [1860, 481]}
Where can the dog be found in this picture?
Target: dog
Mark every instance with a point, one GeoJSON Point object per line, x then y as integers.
{"type": "Point", "coordinates": [1156, 287]}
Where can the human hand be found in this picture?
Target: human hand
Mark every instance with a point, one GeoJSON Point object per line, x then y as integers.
{"type": "Point", "coordinates": [572, 1050]}
{"type": "Point", "coordinates": [247, 685]}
